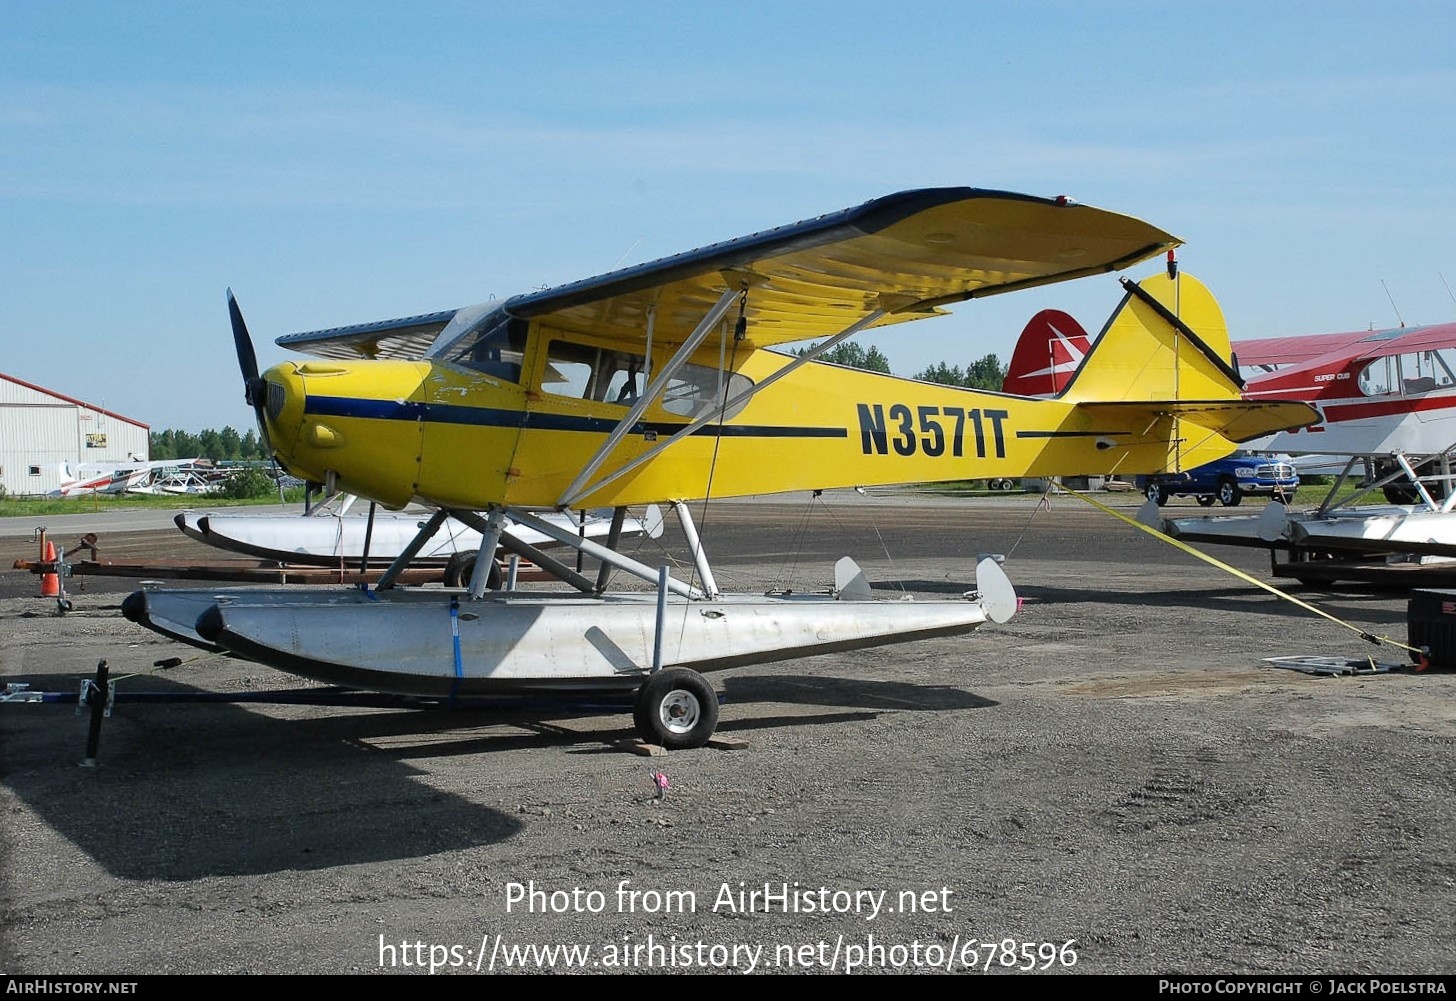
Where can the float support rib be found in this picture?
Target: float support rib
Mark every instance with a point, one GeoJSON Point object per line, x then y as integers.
{"type": "Point", "coordinates": [695, 546]}
{"type": "Point", "coordinates": [495, 523]}
{"type": "Point", "coordinates": [599, 552]}
{"type": "Point", "coordinates": [514, 545]}
{"type": "Point", "coordinates": [426, 532]}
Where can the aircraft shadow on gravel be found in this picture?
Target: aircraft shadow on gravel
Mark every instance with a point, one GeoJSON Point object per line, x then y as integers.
{"type": "Point", "coordinates": [184, 792]}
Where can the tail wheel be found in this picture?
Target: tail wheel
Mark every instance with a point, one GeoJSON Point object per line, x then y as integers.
{"type": "Point", "coordinates": [676, 709]}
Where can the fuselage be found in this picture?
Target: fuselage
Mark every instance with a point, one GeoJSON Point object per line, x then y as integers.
{"type": "Point", "coordinates": [517, 426]}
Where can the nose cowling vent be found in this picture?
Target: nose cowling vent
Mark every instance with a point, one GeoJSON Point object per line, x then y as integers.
{"type": "Point", "coordinates": [275, 401]}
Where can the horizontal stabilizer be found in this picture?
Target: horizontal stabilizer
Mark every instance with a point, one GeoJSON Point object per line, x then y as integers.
{"type": "Point", "coordinates": [1236, 420]}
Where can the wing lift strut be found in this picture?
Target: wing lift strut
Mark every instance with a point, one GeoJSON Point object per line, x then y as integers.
{"type": "Point", "coordinates": [491, 524]}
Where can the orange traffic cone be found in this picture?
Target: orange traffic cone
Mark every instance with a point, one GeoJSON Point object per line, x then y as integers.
{"type": "Point", "coordinates": [50, 583]}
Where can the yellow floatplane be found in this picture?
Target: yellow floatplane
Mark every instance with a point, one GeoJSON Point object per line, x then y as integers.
{"type": "Point", "coordinates": [663, 383]}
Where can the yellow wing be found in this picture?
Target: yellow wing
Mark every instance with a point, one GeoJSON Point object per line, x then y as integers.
{"type": "Point", "coordinates": [905, 254]}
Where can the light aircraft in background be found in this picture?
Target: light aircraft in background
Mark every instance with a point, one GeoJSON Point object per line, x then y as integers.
{"type": "Point", "coordinates": [1047, 354]}
{"type": "Point", "coordinates": [138, 476]}
{"type": "Point", "coordinates": [330, 535]}
{"type": "Point", "coordinates": [661, 383]}
{"type": "Point", "coordinates": [1379, 393]}
{"type": "Point", "coordinates": [1387, 403]}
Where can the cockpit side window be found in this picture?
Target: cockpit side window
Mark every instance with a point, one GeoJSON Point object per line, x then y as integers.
{"type": "Point", "coordinates": [696, 389]}
{"type": "Point", "coordinates": [1427, 371]}
{"type": "Point", "coordinates": [584, 372]}
{"type": "Point", "coordinates": [604, 375]}
{"type": "Point", "coordinates": [1379, 378]}
{"type": "Point", "coordinates": [1410, 374]}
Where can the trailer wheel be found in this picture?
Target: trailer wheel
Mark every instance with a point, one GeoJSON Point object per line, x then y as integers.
{"type": "Point", "coordinates": [460, 566]}
{"type": "Point", "coordinates": [676, 708]}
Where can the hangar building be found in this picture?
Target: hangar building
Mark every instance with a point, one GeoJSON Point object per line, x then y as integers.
{"type": "Point", "coordinates": [40, 429]}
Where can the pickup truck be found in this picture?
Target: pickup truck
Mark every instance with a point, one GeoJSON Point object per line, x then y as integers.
{"type": "Point", "coordinates": [1226, 480]}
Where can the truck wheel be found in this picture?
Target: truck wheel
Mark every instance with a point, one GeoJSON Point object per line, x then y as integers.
{"type": "Point", "coordinates": [1157, 493]}
{"type": "Point", "coordinates": [1229, 493]}
{"type": "Point", "coordinates": [1205, 500]}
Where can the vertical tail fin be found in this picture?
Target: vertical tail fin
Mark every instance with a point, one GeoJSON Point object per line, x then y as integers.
{"type": "Point", "coordinates": [1047, 353]}
{"type": "Point", "coordinates": [1167, 340]}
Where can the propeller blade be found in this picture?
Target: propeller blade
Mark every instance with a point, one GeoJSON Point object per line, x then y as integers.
{"type": "Point", "coordinates": [255, 390]}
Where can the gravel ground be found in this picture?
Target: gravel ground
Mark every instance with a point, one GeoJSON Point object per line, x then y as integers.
{"type": "Point", "coordinates": [1113, 782]}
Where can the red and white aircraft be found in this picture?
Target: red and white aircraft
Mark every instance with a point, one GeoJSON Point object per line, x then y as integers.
{"type": "Point", "coordinates": [1379, 392]}
{"type": "Point", "coordinates": [138, 476]}
{"type": "Point", "coordinates": [1387, 402]}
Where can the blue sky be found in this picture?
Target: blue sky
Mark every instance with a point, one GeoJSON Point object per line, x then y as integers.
{"type": "Point", "coordinates": [340, 163]}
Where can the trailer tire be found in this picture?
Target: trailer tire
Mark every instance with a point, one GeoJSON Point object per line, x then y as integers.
{"type": "Point", "coordinates": [461, 566]}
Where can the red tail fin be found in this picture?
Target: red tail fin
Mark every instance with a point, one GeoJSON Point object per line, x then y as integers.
{"type": "Point", "coordinates": [1047, 353]}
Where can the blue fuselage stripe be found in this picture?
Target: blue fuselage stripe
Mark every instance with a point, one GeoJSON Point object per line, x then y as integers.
{"type": "Point", "coordinates": [447, 413]}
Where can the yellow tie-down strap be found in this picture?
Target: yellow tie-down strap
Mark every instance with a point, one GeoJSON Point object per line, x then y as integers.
{"type": "Point", "coordinates": [1423, 654]}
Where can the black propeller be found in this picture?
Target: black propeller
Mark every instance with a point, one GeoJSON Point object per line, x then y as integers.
{"type": "Point", "coordinates": [255, 390]}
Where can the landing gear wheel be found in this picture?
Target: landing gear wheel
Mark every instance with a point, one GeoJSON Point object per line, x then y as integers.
{"type": "Point", "coordinates": [677, 709]}
{"type": "Point", "coordinates": [1205, 500]}
{"type": "Point", "coordinates": [1157, 493]}
{"type": "Point", "coordinates": [1229, 493]}
{"type": "Point", "coordinates": [460, 567]}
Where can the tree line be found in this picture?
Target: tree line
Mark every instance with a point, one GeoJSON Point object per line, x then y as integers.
{"type": "Point", "coordinates": [985, 372]}
{"type": "Point", "coordinates": [224, 445]}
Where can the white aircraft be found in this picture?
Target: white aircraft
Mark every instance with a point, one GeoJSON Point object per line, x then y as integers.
{"type": "Point", "coordinates": [659, 383]}
{"type": "Point", "coordinates": [157, 476]}
{"type": "Point", "coordinates": [330, 535]}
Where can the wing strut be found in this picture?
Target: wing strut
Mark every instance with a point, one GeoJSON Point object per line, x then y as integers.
{"type": "Point", "coordinates": [578, 490]}
{"type": "Point", "coordinates": [653, 391]}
